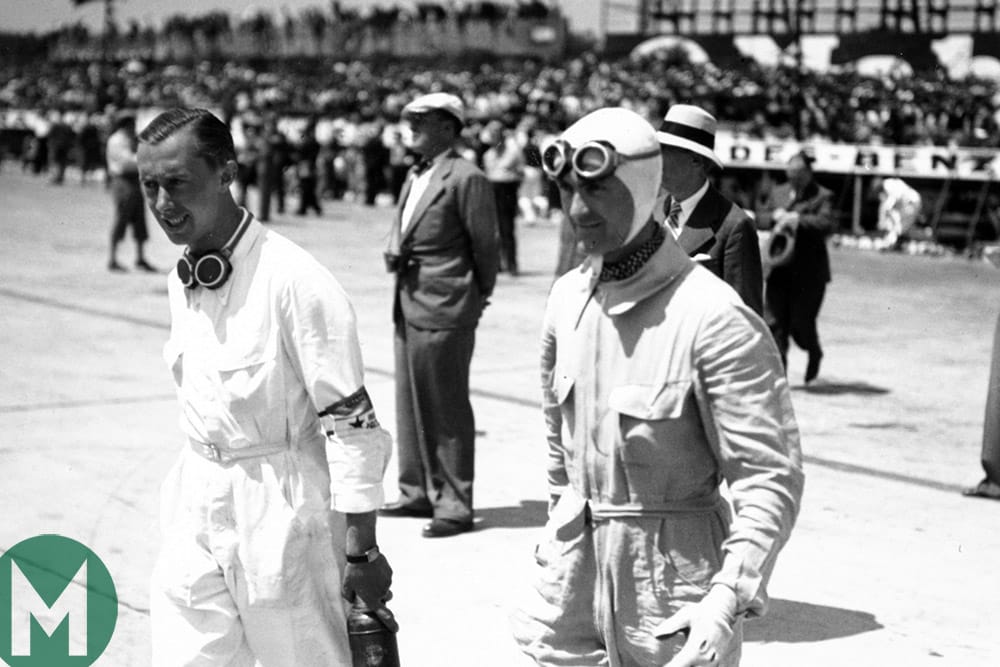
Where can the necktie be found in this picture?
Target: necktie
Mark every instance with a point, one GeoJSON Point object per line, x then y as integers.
{"type": "Point", "coordinates": [672, 208]}
{"type": "Point", "coordinates": [423, 165]}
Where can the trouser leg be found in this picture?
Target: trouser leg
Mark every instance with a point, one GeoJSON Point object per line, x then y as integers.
{"type": "Point", "coordinates": [439, 363]}
{"type": "Point", "coordinates": [199, 630]}
{"type": "Point", "coordinates": [412, 451]}
{"type": "Point", "coordinates": [554, 623]}
{"type": "Point", "coordinates": [264, 187]}
{"type": "Point", "coordinates": [279, 189]}
{"type": "Point", "coordinates": [777, 307]}
{"type": "Point", "coordinates": [806, 302]}
{"type": "Point", "coordinates": [247, 575]}
{"type": "Point", "coordinates": [991, 424]}
{"type": "Point", "coordinates": [505, 195]}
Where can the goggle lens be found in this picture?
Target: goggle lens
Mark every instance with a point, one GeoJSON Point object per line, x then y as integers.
{"type": "Point", "coordinates": [593, 160]}
{"type": "Point", "coordinates": [554, 159]}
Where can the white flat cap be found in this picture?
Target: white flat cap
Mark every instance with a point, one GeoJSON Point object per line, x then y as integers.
{"type": "Point", "coordinates": [441, 101]}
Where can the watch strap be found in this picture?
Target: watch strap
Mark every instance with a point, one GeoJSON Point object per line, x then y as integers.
{"type": "Point", "coordinates": [367, 557]}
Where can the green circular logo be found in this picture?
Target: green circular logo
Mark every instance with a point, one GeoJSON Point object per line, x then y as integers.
{"type": "Point", "coordinates": [58, 605]}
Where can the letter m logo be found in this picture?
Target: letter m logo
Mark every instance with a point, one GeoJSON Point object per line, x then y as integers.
{"type": "Point", "coordinates": [26, 604]}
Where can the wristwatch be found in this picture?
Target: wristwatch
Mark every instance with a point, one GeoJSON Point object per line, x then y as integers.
{"type": "Point", "coordinates": [367, 557]}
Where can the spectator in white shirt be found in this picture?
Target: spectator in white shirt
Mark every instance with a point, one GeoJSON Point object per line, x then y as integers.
{"type": "Point", "coordinates": [125, 193]}
{"type": "Point", "coordinates": [898, 210]}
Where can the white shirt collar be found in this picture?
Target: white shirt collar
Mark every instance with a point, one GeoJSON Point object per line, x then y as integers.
{"type": "Point", "coordinates": [417, 189]}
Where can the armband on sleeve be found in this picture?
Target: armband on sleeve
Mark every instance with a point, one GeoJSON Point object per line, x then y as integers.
{"type": "Point", "coordinates": [352, 412]}
{"type": "Point", "coordinates": [357, 452]}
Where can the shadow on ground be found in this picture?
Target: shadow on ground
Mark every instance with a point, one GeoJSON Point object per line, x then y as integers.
{"type": "Point", "coordinates": [790, 621]}
{"type": "Point", "coordinates": [529, 514]}
{"type": "Point", "coordinates": [837, 388]}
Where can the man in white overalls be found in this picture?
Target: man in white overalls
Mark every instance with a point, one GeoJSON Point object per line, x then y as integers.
{"type": "Point", "coordinates": [268, 515]}
{"type": "Point", "coordinates": [659, 384]}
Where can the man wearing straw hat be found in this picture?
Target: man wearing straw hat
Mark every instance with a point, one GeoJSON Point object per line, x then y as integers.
{"type": "Point", "coordinates": [710, 228]}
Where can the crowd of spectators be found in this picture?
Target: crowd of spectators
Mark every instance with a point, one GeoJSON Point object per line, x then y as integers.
{"type": "Point", "coordinates": [762, 101]}
{"type": "Point", "coordinates": [60, 111]}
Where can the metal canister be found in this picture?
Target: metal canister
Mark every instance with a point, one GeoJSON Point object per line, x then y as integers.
{"type": "Point", "coordinates": [372, 643]}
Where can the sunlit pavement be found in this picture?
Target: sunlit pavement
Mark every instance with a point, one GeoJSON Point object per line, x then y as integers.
{"type": "Point", "coordinates": [888, 565]}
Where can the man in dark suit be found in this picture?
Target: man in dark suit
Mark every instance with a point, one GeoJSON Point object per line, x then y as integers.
{"type": "Point", "coordinates": [794, 291]}
{"type": "Point", "coordinates": [443, 250]}
{"type": "Point", "coordinates": [709, 227]}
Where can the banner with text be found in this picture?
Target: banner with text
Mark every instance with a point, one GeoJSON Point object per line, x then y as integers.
{"type": "Point", "coordinates": [972, 164]}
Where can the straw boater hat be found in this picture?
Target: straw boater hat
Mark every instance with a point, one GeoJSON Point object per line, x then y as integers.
{"type": "Point", "coordinates": [691, 128]}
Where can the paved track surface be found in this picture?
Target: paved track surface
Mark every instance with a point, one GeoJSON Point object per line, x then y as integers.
{"type": "Point", "coordinates": [888, 565]}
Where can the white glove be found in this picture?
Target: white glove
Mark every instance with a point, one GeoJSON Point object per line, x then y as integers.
{"type": "Point", "coordinates": [710, 628]}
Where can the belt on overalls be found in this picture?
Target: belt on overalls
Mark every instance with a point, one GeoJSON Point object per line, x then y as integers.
{"type": "Point", "coordinates": [603, 511]}
{"type": "Point", "coordinates": [213, 452]}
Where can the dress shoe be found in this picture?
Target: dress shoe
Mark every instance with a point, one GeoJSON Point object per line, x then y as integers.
{"type": "Point", "coordinates": [446, 528]}
{"type": "Point", "coordinates": [985, 489]}
{"type": "Point", "coordinates": [812, 368]}
{"type": "Point", "coordinates": [403, 509]}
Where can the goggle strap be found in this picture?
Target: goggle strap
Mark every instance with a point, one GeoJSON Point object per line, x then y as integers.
{"type": "Point", "coordinates": [241, 229]}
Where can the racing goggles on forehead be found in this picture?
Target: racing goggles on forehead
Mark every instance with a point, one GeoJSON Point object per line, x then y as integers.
{"type": "Point", "coordinates": [590, 161]}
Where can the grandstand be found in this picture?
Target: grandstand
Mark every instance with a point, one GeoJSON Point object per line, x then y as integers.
{"type": "Point", "coordinates": [909, 29]}
{"type": "Point", "coordinates": [810, 16]}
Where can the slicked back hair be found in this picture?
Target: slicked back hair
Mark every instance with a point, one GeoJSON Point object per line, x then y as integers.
{"type": "Point", "coordinates": [213, 139]}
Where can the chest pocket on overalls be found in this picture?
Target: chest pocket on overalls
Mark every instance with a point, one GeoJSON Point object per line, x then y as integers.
{"type": "Point", "coordinates": [650, 401]}
{"type": "Point", "coordinates": [642, 409]}
{"type": "Point", "coordinates": [249, 386]}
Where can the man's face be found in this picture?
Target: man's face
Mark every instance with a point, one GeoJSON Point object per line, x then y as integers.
{"type": "Point", "coordinates": [799, 174]}
{"type": "Point", "coordinates": [429, 133]}
{"type": "Point", "coordinates": [677, 164]}
{"type": "Point", "coordinates": [183, 191]}
{"type": "Point", "coordinates": [601, 212]}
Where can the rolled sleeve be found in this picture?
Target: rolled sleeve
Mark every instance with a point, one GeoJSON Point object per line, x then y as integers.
{"type": "Point", "coordinates": [357, 465]}
{"type": "Point", "coordinates": [324, 345]}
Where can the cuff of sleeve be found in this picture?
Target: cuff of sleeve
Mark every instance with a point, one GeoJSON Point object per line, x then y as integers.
{"type": "Point", "coordinates": [357, 463]}
{"type": "Point", "coordinates": [746, 591]}
{"type": "Point", "coordinates": [358, 500]}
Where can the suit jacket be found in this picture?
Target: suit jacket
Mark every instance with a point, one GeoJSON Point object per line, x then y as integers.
{"type": "Point", "coordinates": [810, 261]}
{"type": "Point", "coordinates": [723, 231]}
{"type": "Point", "coordinates": [447, 256]}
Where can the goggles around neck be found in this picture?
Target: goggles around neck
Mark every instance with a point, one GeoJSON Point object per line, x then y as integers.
{"type": "Point", "coordinates": [591, 161]}
{"type": "Point", "coordinates": [212, 269]}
